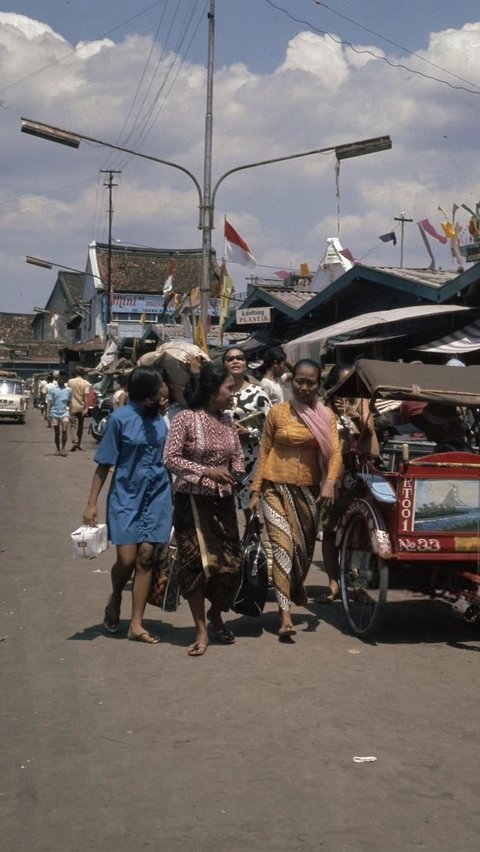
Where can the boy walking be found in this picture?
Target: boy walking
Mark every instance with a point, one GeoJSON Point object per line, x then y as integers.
{"type": "Point", "coordinates": [58, 411]}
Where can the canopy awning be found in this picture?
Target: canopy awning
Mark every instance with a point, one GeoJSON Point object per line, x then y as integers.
{"type": "Point", "coordinates": [428, 382]}
{"type": "Point", "coordinates": [313, 345]}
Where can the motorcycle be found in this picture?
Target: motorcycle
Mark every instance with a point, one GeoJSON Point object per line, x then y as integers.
{"type": "Point", "coordinates": [100, 414]}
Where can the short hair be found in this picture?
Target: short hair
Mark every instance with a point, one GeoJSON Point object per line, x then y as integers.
{"type": "Point", "coordinates": [202, 386]}
{"type": "Point", "coordinates": [143, 383]}
{"type": "Point", "coordinates": [307, 362]}
{"type": "Point", "coordinates": [269, 357]}
{"type": "Point", "coordinates": [63, 374]}
{"type": "Point", "coordinates": [79, 371]}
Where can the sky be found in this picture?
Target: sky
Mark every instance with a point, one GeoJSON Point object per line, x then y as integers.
{"type": "Point", "coordinates": [290, 76]}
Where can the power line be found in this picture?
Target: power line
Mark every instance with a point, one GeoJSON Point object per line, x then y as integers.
{"type": "Point", "coordinates": [365, 50]}
{"type": "Point", "coordinates": [394, 43]}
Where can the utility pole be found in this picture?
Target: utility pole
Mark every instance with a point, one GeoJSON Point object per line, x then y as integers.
{"type": "Point", "coordinates": [207, 217]}
{"type": "Point", "coordinates": [402, 219]}
{"type": "Point", "coordinates": [109, 184]}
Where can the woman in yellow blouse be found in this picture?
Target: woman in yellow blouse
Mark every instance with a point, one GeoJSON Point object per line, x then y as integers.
{"type": "Point", "coordinates": [298, 466]}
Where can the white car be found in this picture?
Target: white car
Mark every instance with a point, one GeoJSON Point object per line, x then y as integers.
{"type": "Point", "coordinates": [12, 400]}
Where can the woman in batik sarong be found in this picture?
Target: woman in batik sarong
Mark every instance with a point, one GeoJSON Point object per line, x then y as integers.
{"type": "Point", "coordinates": [203, 452]}
{"type": "Point", "coordinates": [297, 470]}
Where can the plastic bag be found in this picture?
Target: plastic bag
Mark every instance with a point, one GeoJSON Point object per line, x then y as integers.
{"type": "Point", "coordinates": [89, 542]}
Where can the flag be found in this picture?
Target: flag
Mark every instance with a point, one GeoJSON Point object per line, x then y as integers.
{"type": "Point", "coordinates": [168, 284]}
{"type": "Point", "coordinates": [282, 273]}
{"type": "Point", "coordinates": [433, 265]}
{"type": "Point", "coordinates": [200, 338]}
{"type": "Point", "coordinates": [429, 229]}
{"type": "Point", "coordinates": [225, 296]}
{"type": "Point", "coordinates": [390, 237]}
{"type": "Point", "coordinates": [195, 298]}
{"type": "Point", "coordinates": [236, 249]}
{"type": "Point", "coordinates": [348, 254]}
{"type": "Point", "coordinates": [449, 230]}
{"type": "Point", "coordinates": [304, 269]}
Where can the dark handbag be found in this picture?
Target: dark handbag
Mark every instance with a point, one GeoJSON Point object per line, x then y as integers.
{"type": "Point", "coordinates": [164, 587]}
{"type": "Point", "coordinates": [253, 589]}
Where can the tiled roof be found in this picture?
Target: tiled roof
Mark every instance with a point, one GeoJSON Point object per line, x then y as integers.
{"type": "Point", "coordinates": [146, 270]}
{"type": "Point", "coordinates": [74, 283]}
{"type": "Point", "coordinates": [16, 328]}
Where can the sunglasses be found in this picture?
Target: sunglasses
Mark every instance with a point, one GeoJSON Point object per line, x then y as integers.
{"type": "Point", "coordinates": [235, 358]}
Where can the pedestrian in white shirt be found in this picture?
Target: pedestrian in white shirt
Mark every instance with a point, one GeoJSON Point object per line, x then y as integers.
{"type": "Point", "coordinates": [274, 363]}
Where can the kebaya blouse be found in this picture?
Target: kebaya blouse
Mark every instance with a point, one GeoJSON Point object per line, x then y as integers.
{"type": "Point", "coordinates": [196, 441]}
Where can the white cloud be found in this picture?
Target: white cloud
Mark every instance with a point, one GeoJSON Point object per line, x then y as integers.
{"type": "Point", "coordinates": [321, 94]}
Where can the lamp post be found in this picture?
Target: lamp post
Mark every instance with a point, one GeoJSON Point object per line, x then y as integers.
{"type": "Point", "coordinates": [206, 199]}
{"type": "Point", "coordinates": [80, 308]}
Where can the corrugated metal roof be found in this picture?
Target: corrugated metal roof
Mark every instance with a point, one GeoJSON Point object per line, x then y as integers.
{"type": "Point", "coordinates": [293, 299]}
{"type": "Point", "coordinates": [430, 278]}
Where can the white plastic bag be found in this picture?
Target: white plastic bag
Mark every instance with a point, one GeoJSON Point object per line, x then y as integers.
{"type": "Point", "coordinates": [89, 542]}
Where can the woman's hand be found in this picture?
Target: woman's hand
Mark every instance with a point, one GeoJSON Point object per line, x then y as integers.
{"type": "Point", "coordinates": [219, 474]}
{"type": "Point", "coordinates": [242, 431]}
{"type": "Point", "coordinates": [327, 494]}
{"type": "Point", "coordinates": [254, 502]}
{"type": "Point", "coordinates": [90, 515]}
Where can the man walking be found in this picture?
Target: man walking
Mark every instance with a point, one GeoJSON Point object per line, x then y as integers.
{"type": "Point", "coordinates": [58, 411]}
{"type": "Point", "coordinates": [78, 407]}
{"type": "Point", "coordinates": [51, 383]}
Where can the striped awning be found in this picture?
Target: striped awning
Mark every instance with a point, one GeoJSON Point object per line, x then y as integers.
{"type": "Point", "coordinates": [466, 339]}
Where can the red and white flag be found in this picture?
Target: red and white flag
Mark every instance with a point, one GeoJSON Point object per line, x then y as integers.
{"type": "Point", "coordinates": [168, 284]}
{"type": "Point", "coordinates": [236, 249]}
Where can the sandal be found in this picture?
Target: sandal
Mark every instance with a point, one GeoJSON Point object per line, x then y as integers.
{"type": "Point", "coordinates": [287, 631]}
{"type": "Point", "coordinates": [224, 635]}
{"type": "Point", "coordinates": [143, 637]}
{"type": "Point", "coordinates": [111, 620]}
{"type": "Point", "coordinates": [197, 649]}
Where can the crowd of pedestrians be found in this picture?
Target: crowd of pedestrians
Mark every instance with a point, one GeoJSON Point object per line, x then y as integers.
{"type": "Point", "coordinates": [194, 472]}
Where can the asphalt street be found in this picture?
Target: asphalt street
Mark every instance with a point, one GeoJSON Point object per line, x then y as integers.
{"type": "Point", "coordinates": [113, 746]}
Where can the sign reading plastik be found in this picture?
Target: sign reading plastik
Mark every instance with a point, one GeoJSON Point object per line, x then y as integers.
{"type": "Point", "coordinates": [249, 316]}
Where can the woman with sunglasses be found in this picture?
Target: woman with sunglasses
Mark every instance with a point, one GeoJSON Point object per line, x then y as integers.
{"type": "Point", "coordinates": [299, 464]}
{"type": "Point", "coordinates": [251, 406]}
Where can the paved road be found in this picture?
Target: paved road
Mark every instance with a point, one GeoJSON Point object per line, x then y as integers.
{"type": "Point", "coordinates": [111, 746]}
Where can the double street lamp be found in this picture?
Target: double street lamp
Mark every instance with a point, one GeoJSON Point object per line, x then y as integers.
{"type": "Point", "coordinates": [206, 199]}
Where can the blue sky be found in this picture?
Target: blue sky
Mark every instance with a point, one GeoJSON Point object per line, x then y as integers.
{"type": "Point", "coordinates": [280, 86]}
{"type": "Point", "coordinates": [253, 30]}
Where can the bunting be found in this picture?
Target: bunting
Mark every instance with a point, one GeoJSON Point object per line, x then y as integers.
{"type": "Point", "coordinates": [390, 237]}
{"type": "Point", "coordinates": [429, 229]}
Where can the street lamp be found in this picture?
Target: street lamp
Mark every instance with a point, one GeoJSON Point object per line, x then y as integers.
{"type": "Point", "coordinates": [205, 200]}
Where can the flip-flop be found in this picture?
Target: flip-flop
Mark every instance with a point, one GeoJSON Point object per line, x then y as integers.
{"type": "Point", "coordinates": [327, 597]}
{"type": "Point", "coordinates": [224, 635]}
{"type": "Point", "coordinates": [145, 637]}
{"type": "Point", "coordinates": [287, 631]}
{"type": "Point", "coordinates": [197, 649]}
{"type": "Point", "coordinates": [111, 624]}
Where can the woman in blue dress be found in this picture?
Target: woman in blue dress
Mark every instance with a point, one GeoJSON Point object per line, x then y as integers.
{"type": "Point", "coordinates": [139, 503]}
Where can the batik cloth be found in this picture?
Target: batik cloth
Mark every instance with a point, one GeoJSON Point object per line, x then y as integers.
{"type": "Point", "coordinates": [208, 547]}
{"type": "Point", "coordinates": [292, 515]}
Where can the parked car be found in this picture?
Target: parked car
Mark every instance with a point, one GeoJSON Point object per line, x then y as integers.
{"type": "Point", "coordinates": [12, 399]}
